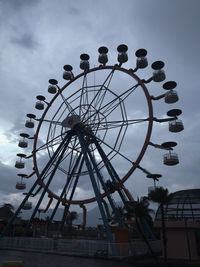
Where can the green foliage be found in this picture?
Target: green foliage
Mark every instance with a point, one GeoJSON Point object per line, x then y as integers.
{"type": "Point", "coordinates": [121, 211]}
{"type": "Point", "coordinates": [142, 209]}
{"type": "Point", "coordinates": [159, 195]}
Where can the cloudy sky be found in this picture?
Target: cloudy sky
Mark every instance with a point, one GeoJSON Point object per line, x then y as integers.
{"type": "Point", "coordinates": [38, 37]}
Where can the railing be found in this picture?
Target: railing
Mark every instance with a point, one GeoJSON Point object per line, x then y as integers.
{"type": "Point", "coordinates": [89, 248]}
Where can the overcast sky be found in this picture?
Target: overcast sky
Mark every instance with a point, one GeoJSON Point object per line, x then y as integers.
{"type": "Point", "coordinates": [38, 37]}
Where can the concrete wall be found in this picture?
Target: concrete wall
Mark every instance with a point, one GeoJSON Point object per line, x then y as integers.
{"type": "Point", "coordinates": [181, 241]}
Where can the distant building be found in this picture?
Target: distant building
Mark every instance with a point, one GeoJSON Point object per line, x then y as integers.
{"type": "Point", "coordinates": [182, 220]}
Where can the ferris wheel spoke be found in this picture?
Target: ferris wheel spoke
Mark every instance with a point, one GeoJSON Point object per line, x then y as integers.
{"type": "Point", "coordinates": [69, 156]}
{"type": "Point", "coordinates": [108, 108]}
{"type": "Point", "coordinates": [97, 95]}
{"type": "Point", "coordinates": [112, 149]}
{"type": "Point", "coordinates": [114, 124]}
{"type": "Point", "coordinates": [45, 146]}
{"type": "Point", "coordinates": [68, 106]}
{"type": "Point", "coordinates": [73, 158]}
{"type": "Point", "coordinates": [76, 175]}
{"type": "Point", "coordinates": [100, 97]}
{"type": "Point", "coordinates": [50, 121]}
{"type": "Point", "coordinates": [72, 174]}
{"type": "Point", "coordinates": [121, 133]}
{"type": "Point", "coordinates": [83, 98]}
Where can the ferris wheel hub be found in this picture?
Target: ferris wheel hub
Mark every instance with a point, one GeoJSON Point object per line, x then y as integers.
{"type": "Point", "coordinates": [71, 121]}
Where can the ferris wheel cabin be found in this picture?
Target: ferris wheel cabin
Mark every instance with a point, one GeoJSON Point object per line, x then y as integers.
{"type": "Point", "coordinates": [19, 164]}
{"type": "Point", "coordinates": [27, 205]}
{"type": "Point", "coordinates": [20, 186]}
{"type": "Point", "coordinates": [170, 158]}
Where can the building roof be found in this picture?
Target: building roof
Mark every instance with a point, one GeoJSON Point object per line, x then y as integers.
{"type": "Point", "coordinates": [184, 204]}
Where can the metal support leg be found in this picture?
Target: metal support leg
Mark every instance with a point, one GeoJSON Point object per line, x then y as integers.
{"type": "Point", "coordinates": [46, 168]}
{"type": "Point", "coordinates": [144, 222]}
{"type": "Point", "coordinates": [63, 192]}
{"type": "Point", "coordinates": [91, 174]}
{"type": "Point", "coordinates": [113, 174]}
{"type": "Point", "coordinates": [116, 212]}
{"type": "Point", "coordinates": [71, 195]}
{"type": "Point", "coordinates": [65, 145]}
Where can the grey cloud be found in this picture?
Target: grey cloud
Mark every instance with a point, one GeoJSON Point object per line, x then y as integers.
{"type": "Point", "coordinates": [167, 30]}
{"type": "Point", "coordinates": [26, 40]}
{"type": "Point", "coordinates": [18, 4]}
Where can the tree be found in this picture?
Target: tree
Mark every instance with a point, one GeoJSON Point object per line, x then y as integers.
{"type": "Point", "coordinates": [120, 210]}
{"type": "Point", "coordinates": [8, 206]}
{"type": "Point", "coordinates": [142, 212]}
{"type": "Point", "coordinates": [71, 216]}
{"type": "Point", "coordinates": [160, 195]}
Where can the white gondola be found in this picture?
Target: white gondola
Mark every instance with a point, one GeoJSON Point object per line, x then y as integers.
{"type": "Point", "coordinates": [84, 63]}
{"type": "Point", "coordinates": [29, 123]}
{"type": "Point", "coordinates": [141, 61]}
{"type": "Point", "coordinates": [158, 74]}
{"type": "Point", "coordinates": [67, 74]}
{"type": "Point", "coordinates": [122, 53]}
{"type": "Point", "coordinates": [19, 164]}
{"type": "Point", "coordinates": [27, 205]}
{"type": "Point", "coordinates": [39, 105]}
{"type": "Point", "coordinates": [170, 159]}
{"type": "Point", "coordinates": [23, 143]}
{"type": "Point", "coordinates": [20, 185]}
{"type": "Point", "coordinates": [103, 58]}
{"type": "Point", "coordinates": [176, 126]}
{"type": "Point", "coordinates": [171, 97]}
{"type": "Point", "coordinates": [52, 89]}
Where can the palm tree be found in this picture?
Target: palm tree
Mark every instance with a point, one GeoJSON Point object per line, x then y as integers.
{"type": "Point", "coordinates": [142, 212]}
{"type": "Point", "coordinates": [113, 218]}
{"type": "Point", "coordinates": [160, 195]}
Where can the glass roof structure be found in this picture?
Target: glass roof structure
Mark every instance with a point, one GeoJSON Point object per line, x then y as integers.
{"type": "Point", "coordinates": [182, 205]}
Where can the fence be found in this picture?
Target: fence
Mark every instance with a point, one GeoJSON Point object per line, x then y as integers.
{"type": "Point", "coordinates": [89, 248]}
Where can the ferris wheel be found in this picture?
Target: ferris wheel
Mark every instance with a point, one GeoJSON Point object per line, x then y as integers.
{"type": "Point", "coordinates": [94, 131]}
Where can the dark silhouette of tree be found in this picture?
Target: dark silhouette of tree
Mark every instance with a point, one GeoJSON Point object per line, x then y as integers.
{"type": "Point", "coordinates": [142, 212]}
{"type": "Point", "coordinates": [160, 195]}
{"type": "Point", "coordinates": [71, 216]}
{"type": "Point", "coordinates": [139, 210]}
{"type": "Point", "coordinates": [8, 206]}
{"type": "Point", "coordinates": [121, 211]}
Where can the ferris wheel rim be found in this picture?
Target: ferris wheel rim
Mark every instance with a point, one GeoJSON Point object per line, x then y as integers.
{"type": "Point", "coordinates": [142, 151]}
